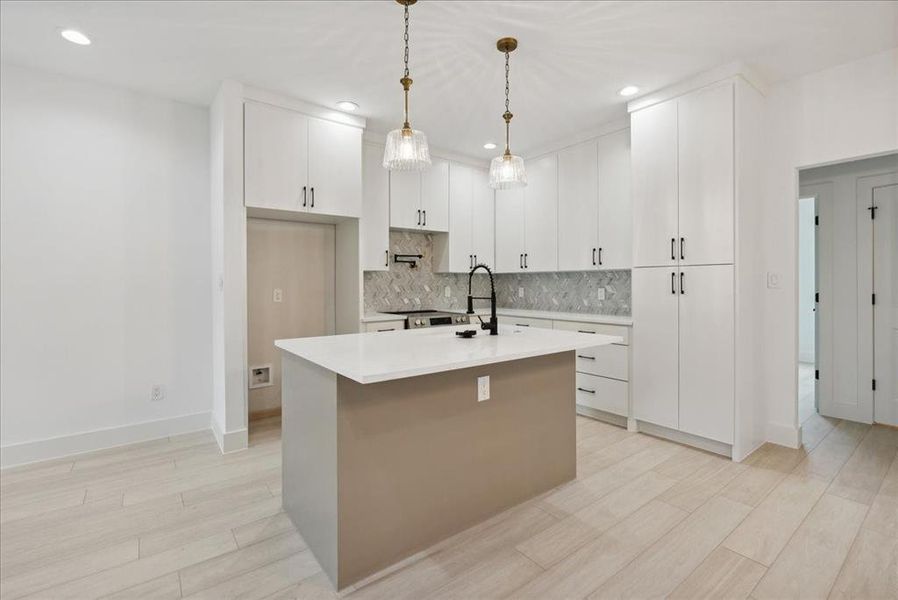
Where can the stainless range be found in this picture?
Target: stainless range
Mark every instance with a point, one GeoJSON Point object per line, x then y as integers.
{"type": "Point", "coordinates": [417, 319]}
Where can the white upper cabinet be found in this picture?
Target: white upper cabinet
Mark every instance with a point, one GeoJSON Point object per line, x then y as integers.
{"type": "Point", "coordinates": [375, 223]}
{"type": "Point", "coordinates": [541, 214]}
{"type": "Point", "coordinates": [294, 162]}
{"type": "Point", "coordinates": [706, 179]}
{"type": "Point", "coordinates": [578, 207]}
{"type": "Point", "coordinates": [276, 157]}
{"type": "Point", "coordinates": [615, 204]}
{"type": "Point", "coordinates": [335, 169]}
{"type": "Point", "coordinates": [420, 199]}
{"type": "Point", "coordinates": [435, 196]}
{"type": "Point", "coordinates": [510, 230]}
{"type": "Point", "coordinates": [483, 225]}
{"type": "Point", "coordinates": [405, 199]}
{"type": "Point", "coordinates": [653, 134]}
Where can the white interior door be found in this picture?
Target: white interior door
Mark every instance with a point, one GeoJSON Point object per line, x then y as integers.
{"type": "Point", "coordinates": [707, 347]}
{"type": "Point", "coordinates": [885, 311]}
{"type": "Point", "coordinates": [276, 157]}
{"type": "Point", "coordinates": [578, 207]}
{"type": "Point", "coordinates": [509, 230]}
{"type": "Point", "coordinates": [706, 176]}
{"type": "Point", "coordinates": [541, 215]}
{"type": "Point", "coordinates": [655, 350]}
{"type": "Point", "coordinates": [653, 135]}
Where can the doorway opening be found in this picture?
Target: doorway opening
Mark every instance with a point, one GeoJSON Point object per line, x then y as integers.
{"type": "Point", "coordinates": [848, 291]}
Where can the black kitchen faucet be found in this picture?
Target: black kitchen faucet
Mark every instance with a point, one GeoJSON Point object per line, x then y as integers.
{"type": "Point", "coordinates": [493, 325]}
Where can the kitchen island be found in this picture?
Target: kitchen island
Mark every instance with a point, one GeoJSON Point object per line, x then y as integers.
{"type": "Point", "coordinates": [389, 447]}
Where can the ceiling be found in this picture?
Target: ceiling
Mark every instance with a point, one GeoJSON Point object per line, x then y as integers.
{"type": "Point", "coordinates": [572, 60]}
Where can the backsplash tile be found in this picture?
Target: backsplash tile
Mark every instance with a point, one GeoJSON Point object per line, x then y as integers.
{"type": "Point", "coordinates": [404, 288]}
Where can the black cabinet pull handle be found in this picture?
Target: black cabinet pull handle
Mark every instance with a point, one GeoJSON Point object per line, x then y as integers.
{"type": "Point", "coordinates": [522, 325]}
{"type": "Point", "coordinates": [580, 389]}
{"type": "Point", "coordinates": [312, 203]}
{"type": "Point", "coordinates": [682, 289]}
{"type": "Point", "coordinates": [303, 195]}
{"type": "Point", "coordinates": [419, 216]}
{"type": "Point", "coordinates": [475, 259]}
{"type": "Point", "coordinates": [387, 258]}
{"type": "Point", "coordinates": [593, 257]}
{"type": "Point", "coordinates": [586, 357]}
{"type": "Point", "coordinates": [682, 248]}
{"type": "Point", "coordinates": [521, 261]}
{"type": "Point", "coordinates": [390, 329]}
{"type": "Point", "coordinates": [673, 283]}
{"type": "Point", "coordinates": [600, 257]}
{"type": "Point", "coordinates": [673, 251]}
{"type": "Point", "coordinates": [584, 331]}
{"type": "Point", "coordinates": [424, 212]}
{"type": "Point", "coordinates": [526, 266]}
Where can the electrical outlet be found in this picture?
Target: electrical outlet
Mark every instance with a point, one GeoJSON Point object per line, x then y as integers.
{"type": "Point", "coordinates": [447, 292]}
{"type": "Point", "coordinates": [601, 293]}
{"type": "Point", "coordinates": [157, 393]}
{"type": "Point", "coordinates": [520, 292]}
{"type": "Point", "coordinates": [483, 388]}
{"type": "Point", "coordinates": [773, 280]}
{"type": "Point", "coordinates": [278, 295]}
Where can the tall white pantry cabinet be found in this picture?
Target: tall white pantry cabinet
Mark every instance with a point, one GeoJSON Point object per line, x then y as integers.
{"type": "Point", "coordinates": [696, 279]}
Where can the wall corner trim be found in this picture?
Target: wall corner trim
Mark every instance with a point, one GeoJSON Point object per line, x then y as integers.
{"type": "Point", "coordinates": [230, 441]}
{"type": "Point", "coordinates": [99, 439]}
{"type": "Point", "coordinates": [784, 435]}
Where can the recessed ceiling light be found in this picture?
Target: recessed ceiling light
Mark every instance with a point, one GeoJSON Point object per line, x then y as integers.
{"type": "Point", "coordinates": [347, 105]}
{"type": "Point", "coordinates": [75, 36]}
{"type": "Point", "coordinates": [489, 146]}
{"type": "Point", "coordinates": [629, 90]}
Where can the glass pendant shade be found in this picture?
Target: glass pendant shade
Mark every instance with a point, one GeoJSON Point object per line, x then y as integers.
{"type": "Point", "coordinates": [507, 172]}
{"type": "Point", "coordinates": [406, 150]}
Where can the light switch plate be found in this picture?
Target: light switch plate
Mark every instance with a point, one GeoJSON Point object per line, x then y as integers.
{"type": "Point", "coordinates": [447, 292]}
{"type": "Point", "coordinates": [483, 388]}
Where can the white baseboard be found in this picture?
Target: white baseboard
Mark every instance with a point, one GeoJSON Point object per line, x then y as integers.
{"type": "Point", "coordinates": [686, 439]}
{"type": "Point", "coordinates": [784, 435]}
{"type": "Point", "coordinates": [58, 447]}
{"type": "Point", "coordinates": [230, 441]}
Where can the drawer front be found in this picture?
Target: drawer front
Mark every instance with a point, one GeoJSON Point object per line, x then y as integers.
{"type": "Point", "coordinates": [600, 393]}
{"type": "Point", "coordinates": [607, 361]}
{"type": "Point", "coordinates": [618, 330]}
{"type": "Point", "coordinates": [384, 326]}
{"type": "Point", "coordinates": [526, 322]}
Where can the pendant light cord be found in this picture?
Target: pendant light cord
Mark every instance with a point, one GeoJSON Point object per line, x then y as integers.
{"type": "Point", "coordinates": [406, 81]}
{"type": "Point", "coordinates": [507, 116]}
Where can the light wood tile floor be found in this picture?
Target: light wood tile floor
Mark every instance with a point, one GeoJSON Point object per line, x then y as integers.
{"type": "Point", "coordinates": [645, 518]}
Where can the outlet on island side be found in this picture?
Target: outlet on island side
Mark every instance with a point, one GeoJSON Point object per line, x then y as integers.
{"type": "Point", "coordinates": [483, 388]}
{"type": "Point", "coordinates": [157, 393]}
{"type": "Point", "coordinates": [601, 293]}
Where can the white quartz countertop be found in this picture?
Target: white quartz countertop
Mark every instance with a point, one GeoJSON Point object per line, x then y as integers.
{"type": "Point", "coordinates": [384, 356]}
{"type": "Point", "coordinates": [514, 312]}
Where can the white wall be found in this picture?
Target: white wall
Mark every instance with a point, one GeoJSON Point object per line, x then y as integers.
{"type": "Point", "coordinates": [848, 111]}
{"type": "Point", "coordinates": [104, 237]}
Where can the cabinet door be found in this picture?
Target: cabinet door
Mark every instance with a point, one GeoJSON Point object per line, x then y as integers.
{"type": "Point", "coordinates": [435, 196]}
{"type": "Point", "coordinates": [706, 176]}
{"type": "Point", "coordinates": [484, 218]}
{"type": "Point", "coordinates": [335, 169]}
{"type": "Point", "coordinates": [615, 214]}
{"type": "Point", "coordinates": [276, 158]}
{"type": "Point", "coordinates": [509, 230]}
{"type": "Point", "coordinates": [707, 376]}
{"type": "Point", "coordinates": [541, 215]}
{"type": "Point", "coordinates": [653, 137]}
{"type": "Point", "coordinates": [460, 246]}
{"type": "Point", "coordinates": [578, 207]}
{"type": "Point", "coordinates": [375, 222]}
{"type": "Point", "coordinates": [655, 367]}
{"type": "Point", "coordinates": [405, 199]}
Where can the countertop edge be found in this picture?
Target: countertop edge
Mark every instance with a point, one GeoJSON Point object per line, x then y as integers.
{"type": "Point", "coordinates": [520, 312]}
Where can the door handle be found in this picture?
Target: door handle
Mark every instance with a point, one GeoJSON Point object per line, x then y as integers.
{"type": "Point", "coordinates": [387, 257]}
{"type": "Point", "coordinates": [304, 195]}
{"type": "Point", "coordinates": [424, 212]}
{"type": "Point", "coordinates": [682, 248]}
{"type": "Point", "coordinates": [600, 257]}
{"type": "Point", "coordinates": [593, 257]}
{"type": "Point", "coordinates": [673, 248]}
{"type": "Point", "coordinates": [312, 203]}
{"type": "Point", "coordinates": [673, 283]}
{"type": "Point", "coordinates": [419, 217]}
{"type": "Point", "coordinates": [580, 389]}
{"type": "Point", "coordinates": [682, 276]}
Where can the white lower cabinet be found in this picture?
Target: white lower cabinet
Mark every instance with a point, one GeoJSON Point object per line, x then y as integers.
{"type": "Point", "coordinates": [525, 322]}
{"type": "Point", "coordinates": [376, 326]}
{"type": "Point", "coordinates": [683, 349]}
{"type": "Point", "coordinates": [602, 393]}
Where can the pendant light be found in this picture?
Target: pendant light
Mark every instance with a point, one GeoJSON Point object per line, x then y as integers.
{"type": "Point", "coordinates": [406, 148]}
{"type": "Point", "coordinates": [507, 171]}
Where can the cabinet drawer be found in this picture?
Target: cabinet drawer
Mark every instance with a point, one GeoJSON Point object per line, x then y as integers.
{"type": "Point", "coordinates": [384, 326]}
{"type": "Point", "coordinates": [601, 393]}
{"type": "Point", "coordinates": [620, 331]}
{"type": "Point", "coordinates": [525, 322]}
{"type": "Point", "coordinates": [607, 361]}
